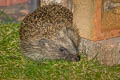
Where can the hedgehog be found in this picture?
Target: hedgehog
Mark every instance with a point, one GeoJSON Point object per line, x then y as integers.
{"type": "Point", "coordinates": [48, 33]}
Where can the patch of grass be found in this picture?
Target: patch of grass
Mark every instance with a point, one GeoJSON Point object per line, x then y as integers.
{"type": "Point", "coordinates": [14, 66]}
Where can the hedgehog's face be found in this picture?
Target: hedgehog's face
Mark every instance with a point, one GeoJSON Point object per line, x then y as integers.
{"type": "Point", "coordinates": [62, 47]}
{"type": "Point", "coordinates": [58, 50]}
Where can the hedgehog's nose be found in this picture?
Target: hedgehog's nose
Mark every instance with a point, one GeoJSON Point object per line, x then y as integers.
{"type": "Point", "coordinates": [77, 58]}
{"type": "Point", "coordinates": [73, 58]}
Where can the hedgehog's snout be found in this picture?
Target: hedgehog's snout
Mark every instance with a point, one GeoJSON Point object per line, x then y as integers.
{"type": "Point", "coordinates": [73, 57]}
{"type": "Point", "coordinates": [77, 58]}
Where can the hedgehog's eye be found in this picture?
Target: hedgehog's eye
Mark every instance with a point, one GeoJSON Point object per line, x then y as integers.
{"type": "Point", "coordinates": [63, 50]}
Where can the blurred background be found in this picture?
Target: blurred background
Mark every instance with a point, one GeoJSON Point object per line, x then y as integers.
{"type": "Point", "coordinates": [15, 10]}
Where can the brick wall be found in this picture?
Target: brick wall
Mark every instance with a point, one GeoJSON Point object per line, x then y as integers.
{"type": "Point", "coordinates": [11, 2]}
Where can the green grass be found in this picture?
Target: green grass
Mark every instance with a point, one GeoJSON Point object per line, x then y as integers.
{"type": "Point", "coordinates": [14, 66]}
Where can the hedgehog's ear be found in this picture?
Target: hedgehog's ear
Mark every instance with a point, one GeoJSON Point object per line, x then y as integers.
{"type": "Point", "coordinates": [43, 42]}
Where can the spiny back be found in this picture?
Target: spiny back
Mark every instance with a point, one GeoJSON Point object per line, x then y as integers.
{"type": "Point", "coordinates": [45, 21]}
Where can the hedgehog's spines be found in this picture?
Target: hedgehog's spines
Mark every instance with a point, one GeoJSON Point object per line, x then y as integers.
{"type": "Point", "coordinates": [44, 21]}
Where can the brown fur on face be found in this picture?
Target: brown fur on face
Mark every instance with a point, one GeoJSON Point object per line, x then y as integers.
{"type": "Point", "coordinates": [47, 33]}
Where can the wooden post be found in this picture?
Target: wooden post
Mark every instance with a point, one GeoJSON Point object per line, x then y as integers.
{"type": "Point", "coordinates": [97, 21]}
